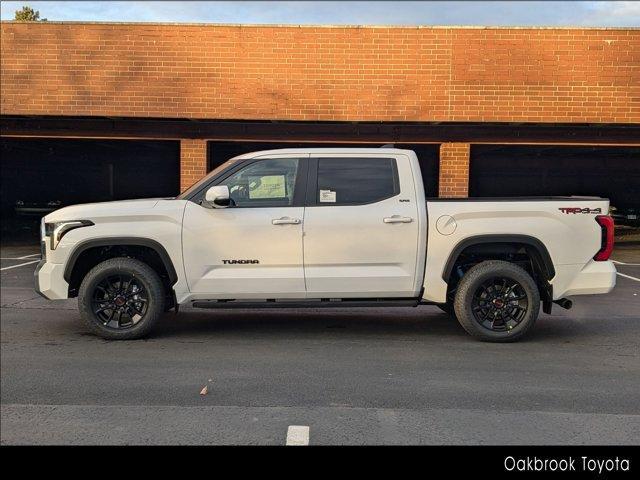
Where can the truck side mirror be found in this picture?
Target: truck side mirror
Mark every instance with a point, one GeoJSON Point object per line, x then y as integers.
{"type": "Point", "coordinates": [217, 197]}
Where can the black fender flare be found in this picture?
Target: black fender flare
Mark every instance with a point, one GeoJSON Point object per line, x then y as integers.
{"type": "Point", "coordinates": [533, 242]}
{"type": "Point", "coordinates": [121, 241]}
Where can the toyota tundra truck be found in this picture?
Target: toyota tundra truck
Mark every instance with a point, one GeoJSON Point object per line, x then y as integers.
{"type": "Point", "coordinates": [325, 228]}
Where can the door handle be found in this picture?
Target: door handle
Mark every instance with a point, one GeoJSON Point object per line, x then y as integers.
{"type": "Point", "coordinates": [285, 221]}
{"type": "Point", "coordinates": [397, 219]}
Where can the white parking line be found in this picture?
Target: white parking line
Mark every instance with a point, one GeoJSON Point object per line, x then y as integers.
{"type": "Point", "coordinates": [19, 258]}
{"type": "Point", "coordinates": [628, 276]}
{"type": "Point", "coordinates": [297, 435]}
{"type": "Point", "coordinates": [623, 263]}
{"type": "Point", "coordinates": [27, 256]}
{"type": "Point", "coordinates": [19, 265]}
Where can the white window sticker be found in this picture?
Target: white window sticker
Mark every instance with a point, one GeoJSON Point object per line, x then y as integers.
{"type": "Point", "coordinates": [327, 196]}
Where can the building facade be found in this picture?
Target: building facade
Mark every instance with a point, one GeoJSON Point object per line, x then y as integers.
{"type": "Point", "coordinates": [490, 111]}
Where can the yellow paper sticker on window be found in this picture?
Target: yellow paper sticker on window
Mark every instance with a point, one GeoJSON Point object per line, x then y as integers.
{"type": "Point", "coordinates": [268, 186]}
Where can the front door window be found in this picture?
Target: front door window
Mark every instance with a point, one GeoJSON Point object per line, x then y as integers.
{"type": "Point", "coordinates": [265, 183]}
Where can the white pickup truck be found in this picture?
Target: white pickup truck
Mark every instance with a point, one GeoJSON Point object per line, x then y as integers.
{"type": "Point", "coordinates": [325, 228]}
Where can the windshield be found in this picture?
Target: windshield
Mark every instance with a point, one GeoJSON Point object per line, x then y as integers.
{"type": "Point", "coordinates": [196, 186]}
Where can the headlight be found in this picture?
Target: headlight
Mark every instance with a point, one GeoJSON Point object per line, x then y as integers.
{"type": "Point", "coordinates": [58, 230]}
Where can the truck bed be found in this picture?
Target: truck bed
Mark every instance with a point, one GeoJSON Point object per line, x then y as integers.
{"type": "Point", "coordinates": [564, 226]}
{"type": "Point", "coordinates": [516, 199]}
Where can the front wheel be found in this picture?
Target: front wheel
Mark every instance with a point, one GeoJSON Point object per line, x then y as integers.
{"type": "Point", "coordinates": [497, 301]}
{"type": "Point", "coordinates": [121, 299]}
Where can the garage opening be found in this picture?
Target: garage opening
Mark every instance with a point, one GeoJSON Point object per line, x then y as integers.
{"type": "Point", "coordinates": [428, 155]}
{"type": "Point", "coordinates": [42, 175]}
{"type": "Point", "coordinates": [516, 170]}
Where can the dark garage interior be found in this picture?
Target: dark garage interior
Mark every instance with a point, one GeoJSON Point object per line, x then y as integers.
{"type": "Point", "coordinates": [428, 155]}
{"type": "Point", "coordinates": [533, 170]}
{"type": "Point", "coordinates": [41, 175]}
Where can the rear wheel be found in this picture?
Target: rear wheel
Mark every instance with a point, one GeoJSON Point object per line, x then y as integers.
{"type": "Point", "coordinates": [497, 301]}
{"type": "Point", "coordinates": [121, 299]}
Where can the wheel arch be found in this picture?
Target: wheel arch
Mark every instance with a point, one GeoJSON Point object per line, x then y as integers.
{"type": "Point", "coordinates": [531, 242]}
{"type": "Point", "coordinates": [120, 242]}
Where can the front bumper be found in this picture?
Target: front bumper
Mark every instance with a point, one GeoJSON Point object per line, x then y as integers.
{"type": "Point", "coordinates": [49, 281]}
{"type": "Point", "coordinates": [36, 279]}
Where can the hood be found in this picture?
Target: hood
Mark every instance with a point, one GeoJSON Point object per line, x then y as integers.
{"type": "Point", "coordinates": [87, 211]}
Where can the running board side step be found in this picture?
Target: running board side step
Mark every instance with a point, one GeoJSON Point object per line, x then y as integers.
{"type": "Point", "coordinates": [322, 303]}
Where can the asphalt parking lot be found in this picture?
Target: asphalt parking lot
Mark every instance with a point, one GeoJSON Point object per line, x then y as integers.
{"type": "Point", "coordinates": [353, 376]}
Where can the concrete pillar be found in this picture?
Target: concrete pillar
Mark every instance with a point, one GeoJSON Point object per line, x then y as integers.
{"type": "Point", "coordinates": [193, 162]}
{"type": "Point", "coordinates": [454, 170]}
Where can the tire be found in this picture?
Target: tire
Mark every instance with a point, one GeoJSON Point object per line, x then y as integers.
{"type": "Point", "coordinates": [126, 291]}
{"type": "Point", "coordinates": [497, 301]}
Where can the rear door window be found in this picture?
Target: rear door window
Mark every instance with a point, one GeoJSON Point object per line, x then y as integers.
{"type": "Point", "coordinates": [356, 181]}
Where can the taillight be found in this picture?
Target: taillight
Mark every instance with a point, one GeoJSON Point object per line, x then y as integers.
{"type": "Point", "coordinates": [606, 224]}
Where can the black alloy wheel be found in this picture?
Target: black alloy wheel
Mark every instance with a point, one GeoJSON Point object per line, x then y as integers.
{"type": "Point", "coordinates": [497, 301]}
{"type": "Point", "coordinates": [121, 298]}
{"type": "Point", "coordinates": [500, 304]}
{"type": "Point", "coordinates": [120, 301]}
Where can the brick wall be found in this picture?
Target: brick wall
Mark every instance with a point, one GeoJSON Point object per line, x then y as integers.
{"type": "Point", "coordinates": [321, 73]}
{"type": "Point", "coordinates": [454, 170]}
{"type": "Point", "coordinates": [193, 162]}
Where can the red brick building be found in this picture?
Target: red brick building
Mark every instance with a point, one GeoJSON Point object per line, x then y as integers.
{"type": "Point", "coordinates": [490, 111]}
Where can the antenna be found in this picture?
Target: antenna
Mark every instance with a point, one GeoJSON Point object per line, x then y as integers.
{"type": "Point", "coordinates": [388, 145]}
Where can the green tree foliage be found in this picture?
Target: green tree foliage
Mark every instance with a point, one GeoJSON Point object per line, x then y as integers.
{"type": "Point", "coordinates": [28, 14]}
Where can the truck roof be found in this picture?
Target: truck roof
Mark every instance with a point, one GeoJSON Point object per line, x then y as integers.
{"type": "Point", "coordinates": [346, 150]}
